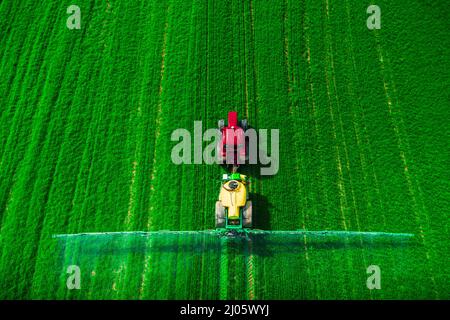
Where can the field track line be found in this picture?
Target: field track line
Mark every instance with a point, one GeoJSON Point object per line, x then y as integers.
{"type": "Point", "coordinates": [362, 159]}
{"type": "Point", "coordinates": [305, 217]}
{"type": "Point", "coordinates": [138, 147]}
{"type": "Point", "coordinates": [137, 133]}
{"type": "Point", "coordinates": [363, 119]}
{"type": "Point", "coordinates": [341, 127]}
{"type": "Point", "coordinates": [250, 271]}
{"type": "Point", "coordinates": [291, 79]}
{"type": "Point", "coordinates": [355, 207]}
{"type": "Point", "coordinates": [206, 102]}
{"type": "Point", "coordinates": [341, 183]}
{"type": "Point", "coordinates": [245, 61]}
{"type": "Point", "coordinates": [131, 197]}
{"type": "Point", "coordinates": [257, 187]}
{"type": "Point", "coordinates": [158, 114]}
{"type": "Point", "coordinates": [341, 186]}
{"type": "Point", "coordinates": [157, 126]}
{"type": "Point", "coordinates": [289, 72]}
{"type": "Point", "coordinates": [316, 124]}
{"type": "Point", "coordinates": [223, 275]}
{"type": "Point", "coordinates": [403, 145]}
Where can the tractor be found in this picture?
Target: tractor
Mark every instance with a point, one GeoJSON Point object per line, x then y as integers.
{"type": "Point", "coordinates": [233, 209]}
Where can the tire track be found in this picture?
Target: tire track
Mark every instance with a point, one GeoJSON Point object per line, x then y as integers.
{"type": "Point", "coordinates": [148, 258]}
{"type": "Point", "coordinates": [304, 217]}
{"type": "Point", "coordinates": [403, 145]}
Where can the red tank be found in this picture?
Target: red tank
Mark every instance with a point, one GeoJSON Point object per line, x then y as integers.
{"type": "Point", "coordinates": [232, 149]}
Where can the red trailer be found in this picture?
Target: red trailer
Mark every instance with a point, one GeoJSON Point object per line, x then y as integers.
{"type": "Point", "coordinates": [232, 148]}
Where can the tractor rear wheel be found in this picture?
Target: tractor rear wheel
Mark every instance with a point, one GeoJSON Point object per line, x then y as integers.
{"type": "Point", "coordinates": [247, 221]}
{"type": "Point", "coordinates": [220, 215]}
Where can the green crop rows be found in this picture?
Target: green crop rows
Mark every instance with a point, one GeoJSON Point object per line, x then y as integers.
{"type": "Point", "coordinates": [85, 125]}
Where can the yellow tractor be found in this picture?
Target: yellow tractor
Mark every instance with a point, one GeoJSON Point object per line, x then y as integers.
{"type": "Point", "coordinates": [233, 209]}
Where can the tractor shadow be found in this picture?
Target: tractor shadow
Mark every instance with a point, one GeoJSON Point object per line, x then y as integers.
{"type": "Point", "coordinates": [261, 211]}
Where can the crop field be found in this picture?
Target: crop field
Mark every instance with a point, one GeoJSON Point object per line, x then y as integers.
{"type": "Point", "coordinates": [85, 146]}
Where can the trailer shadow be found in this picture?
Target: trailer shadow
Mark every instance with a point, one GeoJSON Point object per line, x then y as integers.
{"type": "Point", "coordinates": [252, 170]}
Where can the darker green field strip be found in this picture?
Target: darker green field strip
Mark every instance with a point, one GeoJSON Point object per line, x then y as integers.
{"type": "Point", "coordinates": [85, 146]}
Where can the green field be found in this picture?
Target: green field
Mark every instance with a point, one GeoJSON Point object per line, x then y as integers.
{"type": "Point", "coordinates": [85, 126]}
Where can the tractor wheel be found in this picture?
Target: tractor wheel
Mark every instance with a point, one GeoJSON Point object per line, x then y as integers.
{"type": "Point", "coordinates": [244, 124]}
{"type": "Point", "coordinates": [247, 215]}
{"type": "Point", "coordinates": [221, 124]}
{"type": "Point", "coordinates": [220, 215]}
